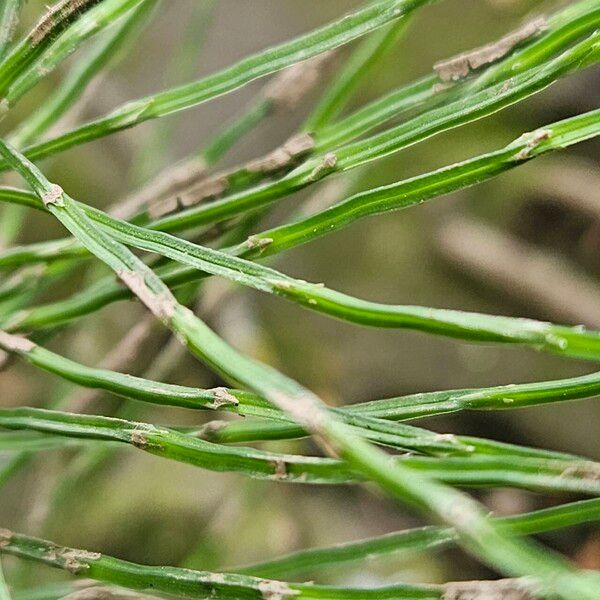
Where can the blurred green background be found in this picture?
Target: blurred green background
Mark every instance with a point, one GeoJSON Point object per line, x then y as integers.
{"type": "Point", "coordinates": [147, 510]}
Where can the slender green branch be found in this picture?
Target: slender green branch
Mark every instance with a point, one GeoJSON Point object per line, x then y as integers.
{"type": "Point", "coordinates": [201, 584]}
{"type": "Point", "coordinates": [489, 542]}
{"type": "Point", "coordinates": [444, 118]}
{"type": "Point", "coordinates": [85, 70]}
{"type": "Point", "coordinates": [168, 443]}
{"type": "Point", "coordinates": [9, 19]}
{"type": "Point", "coordinates": [562, 29]}
{"type": "Point", "coordinates": [551, 475]}
{"type": "Point", "coordinates": [420, 539]}
{"type": "Point", "coordinates": [501, 397]}
{"type": "Point", "coordinates": [137, 388]}
{"type": "Point", "coordinates": [570, 341]}
{"type": "Point", "coordinates": [361, 22]}
{"type": "Point", "coordinates": [58, 18]}
{"type": "Point", "coordinates": [427, 404]}
{"type": "Point", "coordinates": [248, 404]}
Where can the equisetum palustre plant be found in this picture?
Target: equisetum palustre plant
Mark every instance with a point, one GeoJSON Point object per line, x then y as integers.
{"type": "Point", "coordinates": [201, 222]}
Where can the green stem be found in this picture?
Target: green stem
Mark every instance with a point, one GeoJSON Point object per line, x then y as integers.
{"type": "Point", "coordinates": [84, 71]}
{"type": "Point", "coordinates": [427, 404]}
{"type": "Point", "coordinates": [569, 341]}
{"type": "Point", "coordinates": [475, 106]}
{"type": "Point", "coordinates": [477, 533]}
{"type": "Point", "coordinates": [247, 404]}
{"type": "Point", "coordinates": [549, 475]}
{"type": "Point", "coordinates": [9, 19]}
{"type": "Point", "coordinates": [374, 15]}
{"type": "Point", "coordinates": [420, 539]}
{"type": "Point", "coordinates": [58, 18]}
{"type": "Point", "coordinates": [187, 583]}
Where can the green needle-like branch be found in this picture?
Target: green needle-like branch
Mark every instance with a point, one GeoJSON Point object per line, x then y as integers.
{"type": "Point", "coordinates": [420, 539]}
{"type": "Point", "coordinates": [553, 475]}
{"type": "Point", "coordinates": [9, 19]}
{"type": "Point", "coordinates": [366, 418]}
{"type": "Point", "coordinates": [328, 37]}
{"type": "Point", "coordinates": [563, 29]}
{"type": "Point", "coordinates": [83, 71]}
{"type": "Point", "coordinates": [503, 397]}
{"type": "Point", "coordinates": [58, 18]}
{"type": "Point", "coordinates": [479, 83]}
{"type": "Point", "coordinates": [420, 128]}
{"type": "Point", "coordinates": [570, 341]}
{"type": "Point", "coordinates": [476, 531]}
{"type": "Point", "coordinates": [198, 585]}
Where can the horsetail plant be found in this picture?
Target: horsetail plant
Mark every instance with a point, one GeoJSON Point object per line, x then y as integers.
{"type": "Point", "coordinates": [193, 222]}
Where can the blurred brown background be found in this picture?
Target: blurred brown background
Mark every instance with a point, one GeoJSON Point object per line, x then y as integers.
{"type": "Point", "coordinates": [148, 510]}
